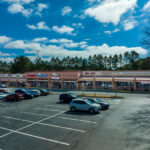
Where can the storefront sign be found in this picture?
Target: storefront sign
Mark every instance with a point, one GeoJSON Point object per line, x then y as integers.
{"type": "Point", "coordinates": [17, 75]}
{"type": "Point", "coordinates": [23, 75]}
{"type": "Point", "coordinates": [42, 75]}
{"type": "Point", "coordinates": [91, 73]}
{"type": "Point", "coordinates": [9, 75]}
{"type": "Point", "coordinates": [115, 73]}
{"type": "Point", "coordinates": [2, 75]}
{"type": "Point", "coordinates": [136, 72]}
{"type": "Point", "coordinates": [55, 74]}
{"type": "Point", "coordinates": [55, 78]}
{"type": "Point", "coordinates": [31, 75]}
{"type": "Point", "coordinates": [145, 82]}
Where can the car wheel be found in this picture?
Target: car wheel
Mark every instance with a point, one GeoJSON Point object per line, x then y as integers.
{"type": "Point", "coordinates": [73, 109]}
{"type": "Point", "coordinates": [92, 111]}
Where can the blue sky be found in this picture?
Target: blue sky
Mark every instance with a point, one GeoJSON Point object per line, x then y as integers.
{"type": "Point", "coordinates": [60, 28]}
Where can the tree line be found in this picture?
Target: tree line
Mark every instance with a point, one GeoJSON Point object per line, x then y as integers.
{"type": "Point", "coordinates": [127, 61]}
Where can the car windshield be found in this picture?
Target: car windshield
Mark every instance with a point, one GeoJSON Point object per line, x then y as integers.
{"type": "Point", "coordinates": [89, 101]}
{"type": "Point", "coordinates": [98, 100]}
{"type": "Point", "coordinates": [28, 92]}
{"type": "Point", "coordinates": [73, 95]}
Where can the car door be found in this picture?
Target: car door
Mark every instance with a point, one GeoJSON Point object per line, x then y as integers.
{"type": "Point", "coordinates": [85, 106]}
{"type": "Point", "coordinates": [82, 105]}
{"type": "Point", "coordinates": [65, 97]}
{"type": "Point", "coordinates": [68, 97]}
{"type": "Point", "coordinates": [11, 96]}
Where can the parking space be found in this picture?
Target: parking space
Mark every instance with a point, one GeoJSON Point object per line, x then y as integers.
{"type": "Point", "coordinates": [43, 123]}
{"type": "Point", "coordinates": [44, 119]}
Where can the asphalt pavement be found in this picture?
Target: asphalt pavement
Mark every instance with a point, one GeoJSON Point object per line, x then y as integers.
{"type": "Point", "coordinates": [45, 124]}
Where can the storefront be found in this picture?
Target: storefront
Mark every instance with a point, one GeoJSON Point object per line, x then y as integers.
{"type": "Point", "coordinates": [97, 80]}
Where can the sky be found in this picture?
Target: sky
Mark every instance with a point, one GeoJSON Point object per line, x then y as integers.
{"type": "Point", "coordinates": [61, 28]}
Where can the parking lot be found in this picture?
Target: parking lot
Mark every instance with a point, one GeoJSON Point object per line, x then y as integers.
{"type": "Point", "coordinates": [45, 124]}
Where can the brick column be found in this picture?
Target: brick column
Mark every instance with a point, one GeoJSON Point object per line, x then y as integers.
{"type": "Point", "coordinates": [49, 84]}
{"type": "Point", "coordinates": [77, 84]}
{"type": "Point", "coordinates": [62, 84]}
{"type": "Point", "coordinates": [94, 87]}
{"type": "Point", "coordinates": [37, 82]}
{"type": "Point", "coordinates": [16, 83]}
{"type": "Point", "coordinates": [113, 83]}
{"type": "Point", "coordinates": [8, 83]}
{"type": "Point", "coordinates": [134, 82]}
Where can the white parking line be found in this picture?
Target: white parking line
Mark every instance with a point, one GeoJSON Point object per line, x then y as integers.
{"type": "Point", "coordinates": [99, 115]}
{"type": "Point", "coordinates": [76, 120]}
{"type": "Point", "coordinates": [34, 136]}
{"type": "Point", "coordinates": [78, 130]}
{"type": "Point", "coordinates": [47, 109]}
{"type": "Point", "coordinates": [118, 101]}
{"type": "Point", "coordinates": [18, 130]}
{"type": "Point", "coordinates": [56, 106]}
{"type": "Point", "coordinates": [17, 119]}
{"type": "Point", "coordinates": [25, 112]}
{"type": "Point", "coordinates": [50, 125]}
{"type": "Point", "coordinates": [42, 120]}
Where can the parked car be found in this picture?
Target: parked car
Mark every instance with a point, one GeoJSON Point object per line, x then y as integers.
{"type": "Point", "coordinates": [26, 94]}
{"type": "Point", "coordinates": [84, 105]}
{"type": "Point", "coordinates": [4, 90]}
{"type": "Point", "coordinates": [35, 93]}
{"type": "Point", "coordinates": [14, 97]}
{"type": "Point", "coordinates": [103, 104]}
{"type": "Point", "coordinates": [67, 97]}
{"type": "Point", "coordinates": [2, 86]}
{"type": "Point", "coordinates": [43, 92]}
{"type": "Point", "coordinates": [3, 95]}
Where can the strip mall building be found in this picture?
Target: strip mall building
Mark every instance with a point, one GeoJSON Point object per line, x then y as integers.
{"type": "Point", "coordinates": [126, 80]}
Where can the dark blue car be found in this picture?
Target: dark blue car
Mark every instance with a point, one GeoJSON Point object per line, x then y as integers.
{"type": "Point", "coordinates": [103, 104]}
{"type": "Point", "coordinates": [35, 93]}
{"type": "Point", "coordinates": [26, 94]}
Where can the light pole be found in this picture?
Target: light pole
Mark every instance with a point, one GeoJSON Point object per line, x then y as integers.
{"type": "Point", "coordinates": [37, 66]}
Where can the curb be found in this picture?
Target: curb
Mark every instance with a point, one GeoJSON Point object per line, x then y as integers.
{"type": "Point", "coordinates": [100, 96]}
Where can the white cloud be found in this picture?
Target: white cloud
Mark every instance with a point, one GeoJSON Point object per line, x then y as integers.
{"type": "Point", "coordinates": [129, 24]}
{"type": "Point", "coordinates": [40, 8]}
{"type": "Point", "coordinates": [78, 25]}
{"type": "Point", "coordinates": [18, 8]}
{"type": "Point", "coordinates": [40, 39]}
{"type": "Point", "coordinates": [64, 29]}
{"type": "Point", "coordinates": [53, 50]}
{"type": "Point", "coordinates": [7, 59]}
{"type": "Point", "coordinates": [60, 41]}
{"type": "Point", "coordinates": [20, 44]}
{"type": "Point", "coordinates": [110, 32]}
{"type": "Point", "coordinates": [39, 26]}
{"type": "Point", "coordinates": [66, 10]}
{"type": "Point", "coordinates": [107, 50]}
{"type": "Point", "coordinates": [93, 1]}
{"type": "Point", "coordinates": [68, 43]}
{"type": "Point", "coordinates": [81, 16]}
{"type": "Point", "coordinates": [147, 6]}
{"type": "Point", "coordinates": [4, 54]}
{"type": "Point", "coordinates": [110, 11]}
{"type": "Point", "coordinates": [4, 39]}
{"type": "Point", "coordinates": [48, 50]}
{"type": "Point", "coordinates": [19, 1]}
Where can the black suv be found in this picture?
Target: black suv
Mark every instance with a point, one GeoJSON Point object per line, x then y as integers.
{"type": "Point", "coordinates": [26, 94]}
{"type": "Point", "coordinates": [67, 97]}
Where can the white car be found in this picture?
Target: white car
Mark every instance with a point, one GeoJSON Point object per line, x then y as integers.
{"type": "Point", "coordinates": [3, 96]}
{"type": "Point", "coordinates": [84, 105]}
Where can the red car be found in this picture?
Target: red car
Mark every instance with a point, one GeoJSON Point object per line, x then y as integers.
{"type": "Point", "coordinates": [14, 97]}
